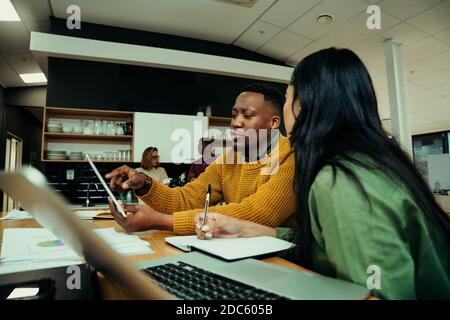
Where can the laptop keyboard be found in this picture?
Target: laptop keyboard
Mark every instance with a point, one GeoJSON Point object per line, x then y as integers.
{"type": "Point", "coordinates": [192, 283]}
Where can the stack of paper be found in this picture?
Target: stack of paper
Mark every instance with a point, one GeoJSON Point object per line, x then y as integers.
{"type": "Point", "coordinates": [124, 244]}
{"type": "Point", "coordinates": [35, 248]}
{"type": "Point", "coordinates": [17, 215]}
{"type": "Point", "coordinates": [26, 249]}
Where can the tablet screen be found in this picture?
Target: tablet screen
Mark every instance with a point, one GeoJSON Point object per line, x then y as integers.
{"type": "Point", "coordinates": [99, 176]}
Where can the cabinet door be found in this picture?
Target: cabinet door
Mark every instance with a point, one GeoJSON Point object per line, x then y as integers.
{"type": "Point", "coordinates": [175, 136]}
{"type": "Point", "coordinates": [152, 130]}
{"type": "Point", "coordinates": [186, 133]}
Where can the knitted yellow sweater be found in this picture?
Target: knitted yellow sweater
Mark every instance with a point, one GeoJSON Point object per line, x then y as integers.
{"type": "Point", "coordinates": [260, 191]}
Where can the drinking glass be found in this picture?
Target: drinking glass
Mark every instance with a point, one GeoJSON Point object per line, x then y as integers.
{"type": "Point", "coordinates": [111, 128]}
{"type": "Point", "coordinates": [97, 127]}
{"type": "Point", "coordinates": [104, 129]}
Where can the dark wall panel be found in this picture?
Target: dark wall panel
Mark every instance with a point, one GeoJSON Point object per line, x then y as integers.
{"type": "Point", "coordinates": [73, 83]}
{"type": "Point", "coordinates": [22, 124]}
{"type": "Point", "coordinates": [94, 85]}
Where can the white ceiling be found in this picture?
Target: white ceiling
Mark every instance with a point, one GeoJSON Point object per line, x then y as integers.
{"type": "Point", "coordinates": [15, 56]}
{"type": "Point", "coordinates": [284, 29]}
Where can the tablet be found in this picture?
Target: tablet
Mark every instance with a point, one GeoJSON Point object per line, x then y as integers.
{"type": "Point", "coordinates": [99, 176]}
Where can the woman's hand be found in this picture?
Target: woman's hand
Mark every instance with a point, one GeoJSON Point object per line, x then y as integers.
{"type": "Point", "coordinates": [140, 218]}
{"type": "Point", "coordinates": [217, 226]}
{"type": "Point", "coordinates": [221, 226]}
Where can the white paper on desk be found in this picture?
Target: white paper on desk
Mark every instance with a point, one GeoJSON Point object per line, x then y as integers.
{"type": "Point", "coordinates": [124, 244]}
{"type": "Point", "coordinates": [231, 248]}
{"type": "Point", "coordinates": [17, 215]}
{"type": "Point", "coordinates": [111, 236]}
{"type": "Point", "coordinates": [25, 249]}
{"type": "Point", "coordinates": [28, 265]}
{"type": "Point", "coordinates": [33, 243]}
{"type": "Point", "coordinates": [88, 214]}
{"type": "Point", "coordinates": [127, 250]}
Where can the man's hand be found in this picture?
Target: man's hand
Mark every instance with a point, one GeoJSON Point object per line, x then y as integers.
{"type": "Point", "coordinates": [124, 178]}
{"type": "Point", "coordinates": [140, 218]}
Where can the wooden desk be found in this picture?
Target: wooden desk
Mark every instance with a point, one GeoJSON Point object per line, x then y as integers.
{"type": "Point", "coordinates": [156, 238]}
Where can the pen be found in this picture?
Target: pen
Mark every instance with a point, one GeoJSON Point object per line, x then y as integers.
{"type": "Point", "coordinates": [208, 195]}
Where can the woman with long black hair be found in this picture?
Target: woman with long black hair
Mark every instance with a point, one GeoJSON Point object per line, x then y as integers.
{"type": "Point", "coordinates": [362, 206]}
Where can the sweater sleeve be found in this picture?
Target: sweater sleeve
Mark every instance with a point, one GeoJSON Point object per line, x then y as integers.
{"type": "Point", "coordinates": [168, 200]}
{"type": "Point", "coordinates": [270, 205]}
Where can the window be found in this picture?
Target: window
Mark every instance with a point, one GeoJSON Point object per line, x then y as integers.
{"type": "Point", "coordinates": [423, 146]}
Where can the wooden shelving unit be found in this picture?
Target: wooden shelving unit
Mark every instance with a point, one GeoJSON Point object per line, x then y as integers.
{"type": "Point", "coordinates": [87, 137]}
{"type": "Point", "coordinates": [78, 161]}
{"type": "Point", "coordinates": [219, 121]}
{"type": "Point", "coordinates": [71, 115]}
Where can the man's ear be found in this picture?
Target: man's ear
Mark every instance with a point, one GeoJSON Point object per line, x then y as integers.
{"type": "Point", "coordinates": [275, 122]}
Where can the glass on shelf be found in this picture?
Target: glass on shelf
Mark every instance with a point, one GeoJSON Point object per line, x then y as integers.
{"type": "Point", "coordinates": [78, 127]}
{"type": "Point", "coordinates": [128, 128]}
{"type": "Point", "coordinates": [119, 129]}
{"type": "Point", "coordinates": [121, 155]}
{"type": "Point", "coordinates": [88, 126]}
{"type": "Point", "coordinates": [104, 127]}
{"type": "Point", "coordinates": [97, 127]}
{"type": "Point", "coordinates": [111, 129]}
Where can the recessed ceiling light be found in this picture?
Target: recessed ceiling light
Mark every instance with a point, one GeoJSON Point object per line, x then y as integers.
{"type": "Point", "coordinates": [325, 19]}
{"type": "Point", "coordinates": [7, 11]}
{"type": "Point", "coordinates": [33, 77]}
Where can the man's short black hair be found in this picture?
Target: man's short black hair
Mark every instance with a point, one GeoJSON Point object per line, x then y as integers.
{"type": "Point", "coordinates": [271, 95]}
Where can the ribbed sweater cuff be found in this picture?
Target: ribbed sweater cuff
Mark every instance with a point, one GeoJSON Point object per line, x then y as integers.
{"type": "Point", "coordinates": [147, 198]}
{"type": "Point", "coordinates": [183, 223]}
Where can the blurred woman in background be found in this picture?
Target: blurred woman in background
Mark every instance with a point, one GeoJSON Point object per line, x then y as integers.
{"type": "Point", "coordinates": [150, 166]}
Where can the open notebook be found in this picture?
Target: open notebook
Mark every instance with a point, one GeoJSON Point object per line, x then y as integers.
{"type": "Point", "coordinates": [231, 248]}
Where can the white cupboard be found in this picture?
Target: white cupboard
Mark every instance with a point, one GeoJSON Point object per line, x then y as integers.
{"type": "Point", "coordinates": [175, 136]}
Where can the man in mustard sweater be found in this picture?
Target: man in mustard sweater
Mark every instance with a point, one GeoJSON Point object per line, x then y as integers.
{"type": "Point", "coordinates": [256, 186]}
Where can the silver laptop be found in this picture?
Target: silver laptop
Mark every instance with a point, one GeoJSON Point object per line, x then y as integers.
{"type": "Point", "coordinates": [146, 280]}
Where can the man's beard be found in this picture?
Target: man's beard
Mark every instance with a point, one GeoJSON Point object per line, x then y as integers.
{"type": "Point", "coordinates": [253, 146]}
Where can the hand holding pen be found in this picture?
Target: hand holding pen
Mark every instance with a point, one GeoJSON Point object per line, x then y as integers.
{"type": "Point", "coordinates": [205, 227]}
